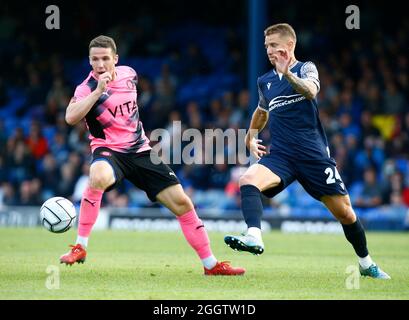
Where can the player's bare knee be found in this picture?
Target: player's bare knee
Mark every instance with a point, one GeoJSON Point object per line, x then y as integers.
{"type": "Point", "coordinates": [101, 181]}
{"type": "Point", "coordinates": [101, 175]}
{"type": "Point", "coordinates": [247, 179]}
{"type": "Point", "coordinates": [350, 216]}
{"type": "Point", "coordinates": [346, 214]}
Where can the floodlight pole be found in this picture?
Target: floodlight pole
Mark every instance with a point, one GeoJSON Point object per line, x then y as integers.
{"type": "Point", "coordinates": [257, 22]}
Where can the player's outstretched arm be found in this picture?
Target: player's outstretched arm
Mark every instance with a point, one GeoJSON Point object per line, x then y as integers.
{"type": "Point", "coordinates": [76, 111]}
{"type": "Point", "coordinates": [258, 122]}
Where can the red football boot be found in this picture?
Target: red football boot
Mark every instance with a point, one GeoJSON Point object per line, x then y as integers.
{"type": "Point", "coordinates": [76, 254]}
{"type": "Point", "coordinates": [224, 268]}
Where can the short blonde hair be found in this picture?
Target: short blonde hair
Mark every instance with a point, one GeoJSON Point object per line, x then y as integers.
{"type": "Point", "coordinates": [284, 29]}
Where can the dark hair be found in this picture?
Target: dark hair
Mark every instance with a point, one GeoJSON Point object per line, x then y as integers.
{"type": "Point", "coordinates": [103, 42]}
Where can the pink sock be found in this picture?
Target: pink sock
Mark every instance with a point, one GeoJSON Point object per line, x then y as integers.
{"type": "Point", "coordinates": [90, 204]}
{"type": "Point", "coordinates": [195, 233]}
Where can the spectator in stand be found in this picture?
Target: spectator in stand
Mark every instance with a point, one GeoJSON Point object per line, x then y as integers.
{"type": "Point", "coordinates": [241, 114]}
{"type": "Point", "coordinates": [36, 142]}
{"type": "Point", "coordinates": [371, 192]}
{"type": "Point", "coordinates": [373, 99]}
{"type": "Point", "coordinates": [367, 127]}
{"type": "Point", "coordinates": [61, 126]}
{"type": "Point", "coordinates": [4, 174]}
{"type": "Point", "coordinates": [146, 97]}
{"type": "Point", "coordinates": [394, 101]}
{"type": "Point", "coordinates": [59, 93]}
{"type": "Point", "coordinates": [78, 138]}
{"type": "Point", "coordinates": [7, 195]}
{"type": "Point", "coordinates": [165, 87]}
{"type": "Point", "coordinates": [397, 203]}
{"type": "Point", "coordinates": [51, 111]}
{"type": "Point", "coordinates": [67, 184]}
{"type": "Point", "coordinates": [59, 148]}
{"type": "Point", "coordinates": [50, 175]}
{"type": "Point", "coordinates": [35, 93]}
{"type": "Point", "coordinates": [193, 115]}
{"type": "Point", "coordinates": [116, 199]}
{"type": "Point", "coordinates": [197, 175]}
{"type": "Point", "coordinates": [219, 176]}
{"type": "Point", "coordinates": [228, 99]}
{"type": "Point", "coordinates": [146, 93]}
{"type": "Point", "coordinates": [12, 141]}
{"type": "Point", "coordinates": [405, 196]}
{"type": "Point", "coordinates": [3, 138]}
{"type": "Point", "coordinates": [81, 184]}
{"type": "Point", "coordinates": [21, 164]}
{"type": "Point", "coordinates": [36, 192]}
{"type": "Point", "coordinates": [348, 127]}
{"type": "Point", "coordinates": [213, 111]}
{"type": "Point", "coordinates": [350, 104]}
{"type": "Point", "coordinates": [30, 194]}
{"type": "Point", "coordinates": [371, 156]}
{"type": "Point", "coordinates": [394, 185]}
{"type": "Point", "coordinates": [405, 132]}
{"type": "Point", "coordinates": [75, 160]}
{"type": "Point", "coordinates": [195, 62]}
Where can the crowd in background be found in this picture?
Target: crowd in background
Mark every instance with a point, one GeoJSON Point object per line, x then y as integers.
{"type": "Point", "coordinates": [363, 105]}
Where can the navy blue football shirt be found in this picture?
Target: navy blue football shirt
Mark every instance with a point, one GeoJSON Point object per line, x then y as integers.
{"type": "Point", "coordinates": [294, 123]}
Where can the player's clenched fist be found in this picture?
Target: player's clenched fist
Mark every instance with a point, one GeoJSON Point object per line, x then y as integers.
{"type": "Point", "coordinates": [103, 81]}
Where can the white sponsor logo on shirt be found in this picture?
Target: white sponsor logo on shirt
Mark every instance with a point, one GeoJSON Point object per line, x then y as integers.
{"type": "Point", "coordinates": [285, 100]}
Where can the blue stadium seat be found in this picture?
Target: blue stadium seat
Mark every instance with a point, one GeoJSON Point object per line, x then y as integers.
{"type": "Point", "coordinates": [403, 166]}
{"type": "Point", "coordinates": [25, 123]}
{"type": "Point", "coordinates": [13, 106]}
{"type": "Point", "coordinates": [76, 70]}
{"type": "Point", "coordinates": [147, 67]}
{"type": "Point", "coordinates": [10, 123]}
{"type": "Point", "coordinates": [355, 190]}
{"type": "Point", "coordinates": [49, 132]}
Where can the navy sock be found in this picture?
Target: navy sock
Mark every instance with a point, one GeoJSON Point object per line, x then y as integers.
{"type": "Point", "coordinates": [355, 234]}
{"type": "Point", "coordinates": [251, 205]}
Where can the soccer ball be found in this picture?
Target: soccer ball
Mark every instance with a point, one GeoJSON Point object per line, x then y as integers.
{"type": "Point", "coordinates": [57, 214]}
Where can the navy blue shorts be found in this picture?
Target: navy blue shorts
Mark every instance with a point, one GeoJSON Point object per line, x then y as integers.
{"type": "Point", "coordinates": [318, 177]}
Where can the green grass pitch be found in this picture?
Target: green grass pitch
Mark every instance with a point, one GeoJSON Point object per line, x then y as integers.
{"type": "Point", "coordinates": [161, 265]}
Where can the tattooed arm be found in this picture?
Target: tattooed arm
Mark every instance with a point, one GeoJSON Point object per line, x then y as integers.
{"type": "Point", "coordinates": [303, 86]}
{"type": "Point", "coordinates": [308, 85]}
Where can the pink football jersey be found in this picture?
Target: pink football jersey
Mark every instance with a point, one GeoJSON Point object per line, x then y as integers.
{"type": "Point", "coordinates": [113, 121]}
